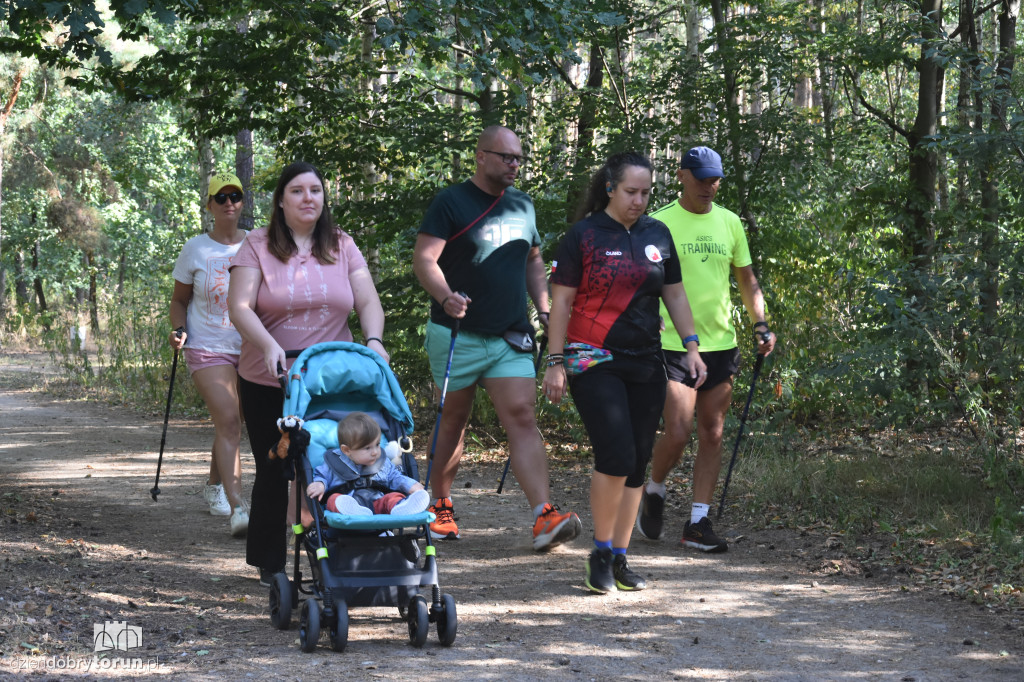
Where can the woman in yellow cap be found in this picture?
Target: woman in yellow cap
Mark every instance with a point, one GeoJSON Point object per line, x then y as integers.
{"type": "Point", "coordinates": [201, 326]}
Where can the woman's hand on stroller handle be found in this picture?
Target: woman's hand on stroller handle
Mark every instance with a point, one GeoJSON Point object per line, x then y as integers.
{"type": "Point", "coordinates": [274, 360]}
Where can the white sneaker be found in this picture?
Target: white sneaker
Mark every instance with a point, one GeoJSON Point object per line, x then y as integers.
{"type": "Point", "coordinates": [240, 521]}
{"type": "Point", "coordinates": [218, 501]}
{"type": "Point", "coordinates": [346, 504]}
{"type": "Point", "coordinates": [414, 504]}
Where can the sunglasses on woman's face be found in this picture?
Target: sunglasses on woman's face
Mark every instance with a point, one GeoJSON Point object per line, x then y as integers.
{"type": "Point", "coordinates": [222, 197]}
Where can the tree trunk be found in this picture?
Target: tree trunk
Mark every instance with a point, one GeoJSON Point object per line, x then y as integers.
{"type": "Point", "coordinates": [968, 75]}
{"type": "Point", "coordinates": [244, 159]}
{"type": "Point", "coordinates": [5, 113]}
{"type": "Point", "coordinates": [94, 306]}
{"type": "Point", "coordinates": [826, 84]}
{"type": "Point", "coordinates": [919, 237]}
{"type": "Point", "coordinates": [20, 286]}
{"type": "Point", "coordinates": [719, 10]}
{"type": "Point", "coordinates": [244, 171]}
{"type": "Point", "coordinates": [992, 160]}
{"type": "Point", "coordinates": [37, 282]}
{"type": "Point", "coordinates": [586, 125]}
{"type": "Point", "coordinates": [206, 170]}
{"type": "Point", "coordinates": [370, 174]}
{"type": "Point", "coordinates": [692, 19]}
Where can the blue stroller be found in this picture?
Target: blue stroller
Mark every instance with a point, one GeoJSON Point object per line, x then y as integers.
{"type": "Point", "coordinates": [375, 560]}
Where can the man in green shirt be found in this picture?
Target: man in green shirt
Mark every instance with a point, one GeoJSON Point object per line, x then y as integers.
{"type": "Point", "coordinates": [711, 244]}
{"type": "Point", "coordinates": [478, 256]}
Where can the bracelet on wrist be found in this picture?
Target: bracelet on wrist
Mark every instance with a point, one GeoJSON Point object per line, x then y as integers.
{"type": "Point", "coordinates": [180, 330]}
{"type": "Point", "coordinates": [374, 338]}
{"type": "Point", "coordinates": [691, 337]}
{"type": "Point", "coordinates": [761, 323]}
{"type": "Point", "coordinates": [555, 359]}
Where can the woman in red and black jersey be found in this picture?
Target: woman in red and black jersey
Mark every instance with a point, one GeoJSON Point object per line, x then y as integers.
{"type": "Point", "coordinates": [611, 270]}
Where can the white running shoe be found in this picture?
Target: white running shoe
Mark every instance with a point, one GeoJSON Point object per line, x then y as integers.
{"type": "Point", "coordinates": [346, 504]}
{"type": "Point", "coordinates": [240, 521]}
{"type": "Point", "coordinates": [414, 504]}
{"type": "Point", "coordinates": [218, 501]}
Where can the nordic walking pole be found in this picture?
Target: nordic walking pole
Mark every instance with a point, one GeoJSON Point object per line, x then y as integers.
{"type": "Point", "coordinates": [743, 422]}
{"type": "Point", "coordinates": [541, 346]}
{"type": "Point", "coordinates": [167, 415]}
{"type": "Point", "coordinates": [440, 406]}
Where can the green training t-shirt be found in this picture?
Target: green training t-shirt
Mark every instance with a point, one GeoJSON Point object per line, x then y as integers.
{"type": "Point", "coordinates": [709, 245]}
{"type": "Point", "coordinates": [488, 261]}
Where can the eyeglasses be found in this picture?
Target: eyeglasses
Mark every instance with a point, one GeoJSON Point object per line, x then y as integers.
{"type": "Point", "coordinates": [508, 159]}
{"type": "Point", "coordinates": [221, 197]}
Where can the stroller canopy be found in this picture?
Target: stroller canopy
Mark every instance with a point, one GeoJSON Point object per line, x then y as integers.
{"type": "Point", "coordinates": [344, 377]}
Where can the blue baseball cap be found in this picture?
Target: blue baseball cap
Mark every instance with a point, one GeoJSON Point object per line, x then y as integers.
{"type": "Point", "coordinates": [703, 162]}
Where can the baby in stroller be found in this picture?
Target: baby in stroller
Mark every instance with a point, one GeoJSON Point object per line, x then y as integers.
{"type": "Point", "coordinates": [356, 558]}
{"type": "Point", "coordinates": [365, 481]}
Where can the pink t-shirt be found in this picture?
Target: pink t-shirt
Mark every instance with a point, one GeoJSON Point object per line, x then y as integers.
{"type": "Point", "coordinates": [301, 302]}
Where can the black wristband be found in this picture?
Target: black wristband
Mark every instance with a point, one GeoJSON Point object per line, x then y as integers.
{"type": "Point", "coordinates": [761, 323]}
{"type": "Point", "coordinates": [180, 330]}
{"type": "Point", "coordinates": [374, 338]}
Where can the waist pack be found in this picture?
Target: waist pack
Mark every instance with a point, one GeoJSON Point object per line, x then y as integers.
{"type": "Point", "coordinates": [520, 337]}
{"type": "Point", "coordinates": [579, 357]}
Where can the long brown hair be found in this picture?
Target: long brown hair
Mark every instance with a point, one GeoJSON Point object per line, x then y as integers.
{"type": "Point", "coordinates": [325, 232]}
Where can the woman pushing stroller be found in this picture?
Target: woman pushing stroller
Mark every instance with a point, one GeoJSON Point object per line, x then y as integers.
{"type": "Point", "coordinates": [369, 482]}
{"type": "Point", "coordinates": [293, 284]}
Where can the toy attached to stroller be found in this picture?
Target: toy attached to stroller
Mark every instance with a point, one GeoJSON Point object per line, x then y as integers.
{"type": "Point", "coordinates": [354, 560]}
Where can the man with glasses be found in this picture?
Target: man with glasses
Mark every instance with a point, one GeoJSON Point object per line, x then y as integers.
{"type": "Point", "coordinates": [478, 256]}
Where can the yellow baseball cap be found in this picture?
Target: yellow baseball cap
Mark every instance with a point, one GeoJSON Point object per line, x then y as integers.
{"type": "Point", "coordinates": [221, 180]}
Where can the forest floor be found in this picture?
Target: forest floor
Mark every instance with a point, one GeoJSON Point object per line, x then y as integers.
{"type": "Point", "coordinates": [83, 545]}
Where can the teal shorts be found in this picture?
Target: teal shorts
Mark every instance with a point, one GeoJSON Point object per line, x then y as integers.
{"type": "Point", "coordinates": [476, 357]}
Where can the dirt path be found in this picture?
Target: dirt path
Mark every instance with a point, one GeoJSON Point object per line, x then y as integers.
{"type": "Point", "coordinates": [84, 544]}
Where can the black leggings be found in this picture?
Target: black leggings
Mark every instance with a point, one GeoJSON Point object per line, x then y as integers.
{"type": "Point", "coordinates": [265, 539]}
{"type": "Point", "coordinates": [620, 402]}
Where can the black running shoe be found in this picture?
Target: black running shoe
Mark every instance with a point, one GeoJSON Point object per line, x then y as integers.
{"type": "Point", "coordinates": [599, 571]}
{"type": "Point", "coordinates": [649, 519]}
{"type": "Point", "coordinates": [701, 536]}
{"type": "Point", "coordinates": [626, 579]}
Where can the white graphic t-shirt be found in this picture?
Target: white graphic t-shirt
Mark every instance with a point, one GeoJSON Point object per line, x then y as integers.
{"type": "Point", "coordinates": [203, 263]}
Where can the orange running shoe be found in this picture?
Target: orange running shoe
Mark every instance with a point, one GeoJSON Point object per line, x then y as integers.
{"type": "Point", "coordinates": [552, 528]}
{"type": "Point", "coordinates": [444, 525]}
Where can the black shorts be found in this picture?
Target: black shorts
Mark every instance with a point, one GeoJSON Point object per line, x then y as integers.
{"type": "Point", "coordinates": [721, 364]}
{"type": "Point", "coordinates": [620, 403]}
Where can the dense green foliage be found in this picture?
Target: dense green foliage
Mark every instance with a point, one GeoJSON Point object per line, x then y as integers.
{"type": "Point", "coordinates": [874, 150]}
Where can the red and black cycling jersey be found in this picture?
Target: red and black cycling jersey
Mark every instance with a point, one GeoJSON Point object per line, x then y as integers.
{"type": "Point", "coordinates": [618, 275]}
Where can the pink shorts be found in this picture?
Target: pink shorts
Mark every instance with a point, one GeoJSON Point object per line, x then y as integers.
{"type": "Point", "coordinates": [198, 359]}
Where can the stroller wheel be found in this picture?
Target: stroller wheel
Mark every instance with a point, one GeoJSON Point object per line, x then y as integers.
{"type": "Point", "coordinates": [447, 621]}
{"type": "Point", "coordinates": [281, 602]}
{"type": "Point", "coordinates": [309, 625]}
{"type": "Point", "coordinates": [419, 621]}
{"type": "Point", "coordinates": [339, 626]}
